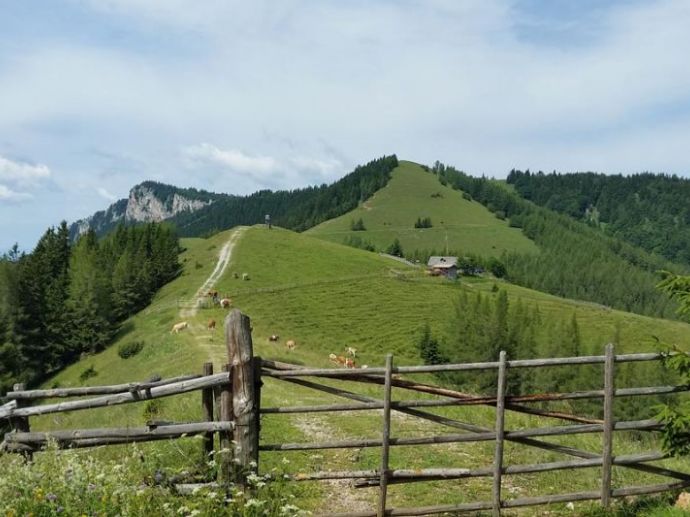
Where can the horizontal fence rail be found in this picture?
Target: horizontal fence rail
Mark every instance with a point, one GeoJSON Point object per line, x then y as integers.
{"type": "Point", "coordinates": [165, 390]}
{"type": "Point", "coordinates": [94, 437]}
{"type": "Point", "coordinates": [94, 390]}
{"type": "Point", "coordinates": [520, 363]}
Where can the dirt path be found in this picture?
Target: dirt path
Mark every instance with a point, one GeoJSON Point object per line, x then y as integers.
{"type": "Point", "coordinates": [221, 265]}
{"type": "Point", "coordinates": [317, 429]}
{"type": "Point", "coordinates": [206, 339]}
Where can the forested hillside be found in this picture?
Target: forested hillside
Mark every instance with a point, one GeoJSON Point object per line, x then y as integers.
{"type": "Point", "coordinates": [575, 261]}
{"type": "Point", "coordinates": [298, 209]}
{"type": "Point", "coordinates": [651, 211]}
{"type": "Point", "coordinates": [64, 299]}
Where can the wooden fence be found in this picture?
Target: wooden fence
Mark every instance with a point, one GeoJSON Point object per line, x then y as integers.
{"type": "Point", "coordinates": [236, 396]}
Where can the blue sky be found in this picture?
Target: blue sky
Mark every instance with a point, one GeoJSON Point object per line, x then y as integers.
{"type": "Point", "coordinates": [98, 95]}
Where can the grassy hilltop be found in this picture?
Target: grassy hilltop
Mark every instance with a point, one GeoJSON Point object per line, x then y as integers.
{"type": "Point", "coordinates": [412, 192]}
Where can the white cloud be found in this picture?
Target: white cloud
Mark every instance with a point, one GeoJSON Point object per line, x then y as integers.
{"type": "Point", "coordinates": [7, 194]}
{"type": "Point", "coordinates": [22, 173]}
{"type": "Point", "coordinates": [232, 159]}
{"type": "Point", "coordinates": [105, 194]}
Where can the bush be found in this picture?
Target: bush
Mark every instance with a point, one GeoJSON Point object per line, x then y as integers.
{"type": "Point", "coordinates": [87, 373]}
{"type": "Point", "coordinates": [395, 249]}
{"type": "Point", "coordinates": [127, 350]}
{"type": "Point", "coordinates": [357, 226]}
{"type": "Point", "coordinates": [467, 196]}
{"type": "Point", "coordinates": [423, 223]}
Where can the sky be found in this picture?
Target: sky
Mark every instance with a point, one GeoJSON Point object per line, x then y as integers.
{"type": "Point", "coordinates": [99, 95]}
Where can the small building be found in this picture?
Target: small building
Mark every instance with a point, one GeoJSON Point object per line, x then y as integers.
{"type": "Point", "coordinates": [446, 266]}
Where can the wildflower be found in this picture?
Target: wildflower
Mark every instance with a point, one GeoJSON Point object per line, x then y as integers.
{"type": "Point", "coordinates": [194, 513]}
{"type": "Point", "coordinates": [182, 510]}
{"type": "Point", "coordinates": [211, 463]}
{"type": "Point", "coordinates": [59, 509]}
{"type": "Point", "coordinates": [140, 492]}
{"type": "Point", "coordinates": [51, 497]}
{"type": "Point", "coordinates": [254, 503]}
{"type": "Point", "coordinates": [38, 493]}
{"type": "Point", "coordinates": [196, 490]}
{"type": "Point", "coordinates": [100, 477]}
{"type": "Point", "coordinates": [212, 495]}
{"type": "Point", "coordinates": [285, 461]}
{"type": "Point", "coordinates": [91, 487]}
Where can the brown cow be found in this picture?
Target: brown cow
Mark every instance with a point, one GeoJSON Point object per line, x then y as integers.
{"type": "Point", "coordinates": [225, 302]}
{"type": "Point", "coordinates": [290, 344]}
{"type": "Point", "coordinates": [212, 294]}
{"type": "Point", "coordinates": [211, 325]}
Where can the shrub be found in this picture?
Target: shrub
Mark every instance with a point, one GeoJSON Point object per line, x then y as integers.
{"type": "Point", "coordinates": [127, 350]}
{"type": "Point", "coordinates": [467, 196]}
{"type": "Point", "coordinates": [395, 249]}
{"type": "Point", "coordinates": [87, 373]}
{"type": "Point", "coordinates": [423, 222]}
{"type": "Point", "coordinates": [357, 226]}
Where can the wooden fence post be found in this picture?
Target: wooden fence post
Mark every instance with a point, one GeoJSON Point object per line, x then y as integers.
{"type": "Point", "coordinates": [386, 436]}
{"type": "Point", "coordinates": [225, 438]}
{"type": "Point", "coordinates": [207, 413]}
{"type": "Point", "coordinates": [500, 433]}
{"type": "Point", "coordinates": [258, 383]}
{"type": "Point", "coordinates": [608, 426]}
{"type": "Point", "coordinates": [21, 423]}
{"type": "Point", "coordinates": [238, 340]}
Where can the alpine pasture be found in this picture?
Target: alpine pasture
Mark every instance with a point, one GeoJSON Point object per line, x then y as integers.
{"type": "Point", "coordinates": [325, 297]}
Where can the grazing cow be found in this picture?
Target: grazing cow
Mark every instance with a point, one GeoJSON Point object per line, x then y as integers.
{"type": "Point", "coordinates": [290, 344]}
{"type": "Point", "coordinates": [337, 359]}
{"type": "Point", "coordinates": [211, 325]}
{"type": "Point", "coordinates": [273, 337]}
{"type": "Point", "coordinates": [245, 276]}
{"type": "Point", "coordinates": [349, 363]}
{"type": "Point", "coordinates": [177, 327]}
{"type": "Point", "coordinates": [351, 351]}
{"type": "Point", "coordinates": [225, 302]}
{"type": "Point", "coordinates": [212, 294]}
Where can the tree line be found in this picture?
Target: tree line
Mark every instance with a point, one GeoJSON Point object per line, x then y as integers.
{"type": "Point", "coordinates": [483, 324]}
{"type": "Point", "coordinates": [575, 260]}
{"type": "Point", "coordinates": [647, 210]}
{"type": "Point", "coordinates": [298, 209]}
{"type": "Point", "coordinates": [64, 299]}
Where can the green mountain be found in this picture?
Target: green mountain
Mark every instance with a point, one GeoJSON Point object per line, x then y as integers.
{"type": "Point", "coordinates": [457, 224]}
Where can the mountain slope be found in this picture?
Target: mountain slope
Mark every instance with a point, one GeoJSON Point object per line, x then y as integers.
{"type": "Point", "coordinates": [651, 211]}
{"type": "Point", "coordinates": [459, 224]}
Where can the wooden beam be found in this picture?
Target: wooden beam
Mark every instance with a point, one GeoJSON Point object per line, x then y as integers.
{"type": "Point", "coordinates": [607, 453]}
{"type": "Point", "coordinates": [92, 437]}
{"type": "Point", "coordinates": [94, 390]}
{"type": "Point", "coordinates": [238, 340]}
{"type": "Point", "coordinates": [124, 398]}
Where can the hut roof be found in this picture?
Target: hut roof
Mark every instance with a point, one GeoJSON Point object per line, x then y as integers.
{"type": "Point", "coordinates": [443, 262]}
